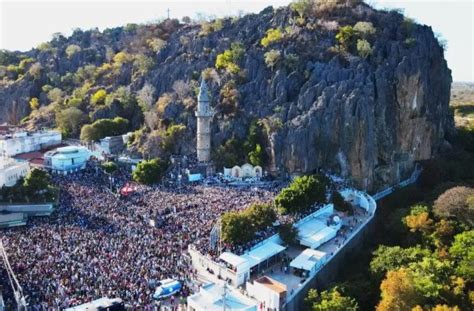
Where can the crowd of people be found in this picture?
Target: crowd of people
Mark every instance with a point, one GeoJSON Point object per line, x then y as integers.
{"type": "Point", "coordinates": [98, 244]}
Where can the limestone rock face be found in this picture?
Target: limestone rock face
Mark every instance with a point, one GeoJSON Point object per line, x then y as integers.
{"type": "Point", "coordinates": [368, 119]}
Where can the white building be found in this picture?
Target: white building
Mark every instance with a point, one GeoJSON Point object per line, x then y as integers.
{"type": "Point", "coordinates": [22, 142]}
{"type": "Point", "coordinates": [67, 159]}
{"type": "Point", "coordinates": [271, 293]}
{"type": "Point", "coordinates": [216, 297]}
{"type": "Point", "coordinates": [12, 170]}
{"type": "Point", "coordinates": [245, 171]}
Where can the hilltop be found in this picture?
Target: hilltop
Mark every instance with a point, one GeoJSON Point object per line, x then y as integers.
{"type": "Point", "coordinates": [332, 84]}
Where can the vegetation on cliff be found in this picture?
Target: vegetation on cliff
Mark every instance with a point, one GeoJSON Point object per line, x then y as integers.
{"type": "Point", "coordinates": [362, 64]}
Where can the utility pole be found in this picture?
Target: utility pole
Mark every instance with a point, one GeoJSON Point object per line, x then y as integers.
{"type": "Point", "coordinates": [168, 12]}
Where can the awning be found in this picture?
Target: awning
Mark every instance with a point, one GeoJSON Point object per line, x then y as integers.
{"type": "Point", "coordinates": [234, 260]}
{"type": "Point", "coordinates": [263, 252]}
{"type": "Point", "coordinates": [308, 260]}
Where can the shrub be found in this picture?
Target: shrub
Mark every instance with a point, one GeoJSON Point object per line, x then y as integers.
{"type": "Point", "coordinates": [34, 103]}
{"type": "Point", "coordinates": [98, 98]}
{"type": "Point", "coordinates": [346, 36]}
{"type": "Point", "coordinates": [363, 48]}
{"type": "Point", "coordinates": [229, 58]}
{"type": "Point", "coordinates": [271, 58]}
{"type": "Point", "coordinates": [301, 6]}
{"type": "Point", "coordinates": [364, 29]}
{"type": "Point", "coordinates": [103, 128]}
{"type": "Point", "coordinates": [272, 36]}
{"type": "Point", "coordinates": [156, 44]}
{"type": "Point", "coordinates": [72, 49]}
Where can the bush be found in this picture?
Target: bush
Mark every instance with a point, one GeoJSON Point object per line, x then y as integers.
{"type": "Point", "coordinates": [363, 48]}
{"type": "Point", "coordinates": [103, 128]}
{"type": "Point", "coordinates": [364, 29]}
{"type": "Point", "coordinates": [330, 300]}
{"type": "Point", "coordinates": [229, 58]}
{"type": "Point", "coordinates": [272, 36]}
{"type": "Point", "coordinates": [150, 171]}
{"type": "Point", "coordinates": [346, 36]}
{"type": "Point", "coordinates": [72, 49]}
{"type": "Point", "coordinates": [272, 57]}
{"type": "Point", "coordinates": [34, 103]}
{"type": "Point", "coordinates": [98, 98]}
{"type": "Point", "coordinates": [301, 7]}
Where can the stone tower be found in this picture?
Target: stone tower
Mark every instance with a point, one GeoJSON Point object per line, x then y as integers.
{"type": "Point", "coordinates": [204, 116]}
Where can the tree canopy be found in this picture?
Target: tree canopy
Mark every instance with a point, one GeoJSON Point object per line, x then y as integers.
{"type": "Point", "coordinates": [150, 171]}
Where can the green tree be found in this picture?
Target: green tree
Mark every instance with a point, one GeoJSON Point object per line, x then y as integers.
{"type": "Point", "coordinates": [301, 194]}
{"type": "Point", "coordinates": [69, 121]}
{"type": "Point", "coordinates": [36, 181]}
{"type": "Point", "coordinates": [288, 233]}
{"type": "Point", "coordinates": [171, 138]}
{"type": "Point", "coordinates": [150, 171]}
{"type": "Point", "coordinates": [257, 156]}
{"type": "Point", "coordinates": [261, 215]}
{"type": "Point", "coordinates": [330, 300]}
{"type": "Point", "coordinates": [103, 128]}
{"type": "Point", "coordinates": [462, 251]}
{"type": "Point", "coordinates": [390, 258]}
{"type": "Point", "coordinates": [236, 228]}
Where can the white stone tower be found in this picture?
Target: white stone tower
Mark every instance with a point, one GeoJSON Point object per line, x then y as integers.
{"type": "Point", "coordinates": [204, 116]}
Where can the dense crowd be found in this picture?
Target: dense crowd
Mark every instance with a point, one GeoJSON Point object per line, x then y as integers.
{"type": "Point", "coordinates": [97, 244]}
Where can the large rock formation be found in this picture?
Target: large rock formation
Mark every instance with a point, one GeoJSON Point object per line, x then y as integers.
{"type": "Point", "coordinates": [366, 118]}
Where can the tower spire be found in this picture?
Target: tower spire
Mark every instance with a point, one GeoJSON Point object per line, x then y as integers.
{"type": "Point", "coordinates": [204, 114]}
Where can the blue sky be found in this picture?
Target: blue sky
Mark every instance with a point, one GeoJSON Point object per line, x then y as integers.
{"type": "Point", "coordinates": [25, 24]}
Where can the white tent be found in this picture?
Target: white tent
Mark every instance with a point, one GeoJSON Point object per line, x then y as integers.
{"type": "Point", "coordinates": [309, 260]}
{"type": "Point", "coordinates": [263, 252]}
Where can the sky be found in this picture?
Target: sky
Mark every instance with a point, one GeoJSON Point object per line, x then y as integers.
{"type": "Point", "coordinates": [25, 24]}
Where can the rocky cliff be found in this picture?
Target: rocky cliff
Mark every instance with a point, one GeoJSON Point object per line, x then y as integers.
{"type": "Point", "coordinates": [321, 101]}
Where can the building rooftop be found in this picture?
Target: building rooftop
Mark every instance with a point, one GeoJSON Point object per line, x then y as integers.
{"type": "Point", "coordinates": [213, 297]}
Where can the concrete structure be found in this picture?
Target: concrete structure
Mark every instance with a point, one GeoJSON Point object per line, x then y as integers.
{"type": "Point", "coordinates": [100, 304]}
{"type": "Point", "coordinates": [112, 144]}
{"type": "Point", "coordinates": [12, 170]}
{"type": "Point", "coordinates": [22, 142]}
{"type": "Point", "coordinates": [204, 116]}
{"type": "Point", "coordinates": [217, 297]}
{"type": "Point", "coordinates": [12, 220]}
{"type": "Point", "coordinates": [245, 171]}
{"type": "Point", "coordinates": [271, 293]}
{"type": "Point", "coordinates": [67, 159]}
